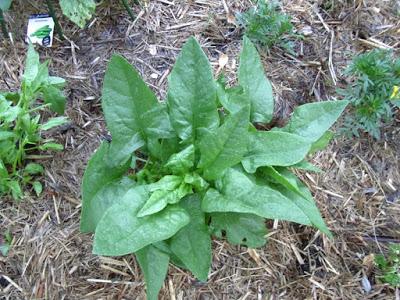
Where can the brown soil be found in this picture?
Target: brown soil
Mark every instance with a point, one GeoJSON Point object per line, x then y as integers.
{"type": "Point", "coordinates": [357, 194]}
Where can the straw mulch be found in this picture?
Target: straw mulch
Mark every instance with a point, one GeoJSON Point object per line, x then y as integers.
{"type": "Point", "coordinates": [358, 193]}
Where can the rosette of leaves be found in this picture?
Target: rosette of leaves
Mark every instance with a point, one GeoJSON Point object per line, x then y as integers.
{"type": "Point", "coordinates": [179, 172]}
{"type": "Point", "coordinates": [21, 126]}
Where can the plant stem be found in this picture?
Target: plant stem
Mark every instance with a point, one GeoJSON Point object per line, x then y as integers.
{"type": "Point", "coordinates": [128, 9]}
{"type": "Point", "coordinates": [3, 24]}
{"type": "Point", "coordinates": [53, 15]}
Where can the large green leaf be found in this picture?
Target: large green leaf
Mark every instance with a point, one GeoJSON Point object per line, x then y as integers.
{"type": "Point", "coordinates": [255, 84]}
{"type": "Point", "coordinates": [312, 120]}
{"type": "Point", "coordinates": [154, 265]}
{"type": "Point", "coordinates": [78, 11]}
{"type": "Point", "coordinates": [239, 193]}
{"type": "Point", "coordinates": [101, 187]}
{"type": "Point", "coordinates": [192, 244]}
{"type": "Point", "coordinates": [131, 109]}
{"type": "Point", "coordinates": [304, 201]}
{"type": "Point", "coordinates": [274, 148]}
{"type": "Point", "coordinates": [225, 146]}
{"type": "Point", "coordinates": [5, 4]}
{"type": "Point", "coordinates": [192, 93]}
{"type": "Point", "coordinates": [240, 229]}
{"type": "Point", "coordinates": [120, 231]}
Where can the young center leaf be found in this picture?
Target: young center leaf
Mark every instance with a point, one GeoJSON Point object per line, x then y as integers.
{"type": "Point", "coordinates": [255, 84]}
{"type": "Point", "coordinates": [120, 231]}
{"type": "Point", "coordinates": [192, 97]}
{"type": "Point", "coordinates": [269, 148]}
{"type": "Point", "coordinates": [192, 244]}
{"type": "Point", "coordinates": [131, 109]}
{"type": "Point", "coordinates": [154, 264]}
{"type": "Point", "coordinates": [312, 120]}
{"type": "Point", "coordinates": [225, 146]}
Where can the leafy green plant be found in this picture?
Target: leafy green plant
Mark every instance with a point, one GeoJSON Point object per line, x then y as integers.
{"type": "Point", "coordinates": [374, 93]}
{"type": "Point", "coordinates": [267, 25]}
{"type": "Point", "coordinates": [178, 172]}
{"type": "Point", "coordinates": [5, 243]}
{"type": "Point", "coordinates": [21, 126]}
{"type": "Point", "coordinates": [389, 267]}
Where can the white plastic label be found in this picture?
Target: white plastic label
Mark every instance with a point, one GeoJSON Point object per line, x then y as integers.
{"type": "Point", "coordinates": [40, 30]}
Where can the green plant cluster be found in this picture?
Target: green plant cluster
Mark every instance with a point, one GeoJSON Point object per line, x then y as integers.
{"type": "Point", "coordinates": [21, 126]}
{"type": "Point", "coordinates": [373, 96]}
{"type": "Point", "coordinates": [179, 172]}
{"type": "Point", "coordinates": [265, 24]}
{"type": "Point", "coordinates": [390, 266]}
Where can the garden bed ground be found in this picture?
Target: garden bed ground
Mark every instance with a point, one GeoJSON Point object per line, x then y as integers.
{"type": "Point", "coordinates": [358, 193]}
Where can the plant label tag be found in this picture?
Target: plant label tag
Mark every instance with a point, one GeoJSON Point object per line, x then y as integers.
{"type": "Point", "coordinates": [40, 30]}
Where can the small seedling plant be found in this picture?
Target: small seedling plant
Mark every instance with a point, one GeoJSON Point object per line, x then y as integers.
{"type": "Point", "coordinates": [389, 266]}
{"type": "Point", "coordinates": [21, 126]}
{"type": "Point", "coordinates": [374, 95]}
{"type": "Point", "coordinates": [177, 173]}
{"type": "Point", "coordinates": [266, 25]}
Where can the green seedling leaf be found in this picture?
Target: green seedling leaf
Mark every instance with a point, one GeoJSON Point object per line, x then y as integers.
{"type": "Point", "coordinates": [154, 264]}
{"type": "Point", "coordinates": [240, 229]}
{"type": "Point", "coordinates": [78, 11]}
{"type": "Point", "coordinates": [225, 146]}
{"type": "Point", "coordinates": [192, 98]}
{"type": "Point", "coordinates": [37, 187]}
{"type": "Point", "coordinates": [55, 97]}
{"type": "Point", "coordinates": [15, 188]}
{"type": "Point", "coordinates": [192, 244]}
{"type": "Point", "coordinates": [101, 187]}
{"type": "Point", "coordinates": [51, 146]}
{"type": "Point", "coordinates": [255, 83]}
{"type": "Point", "coordinates": [132, 111]}
{"type": "Point", "coordinates": [33, 169]}
{"type": "Point", "coordinates": [54, 122]}
{"type": "Point", "coordinates": [269, 148]}
{"type": "Point", "coordinates": [121, 232]}
{"type": "Point", "coordinates": [312, 120]}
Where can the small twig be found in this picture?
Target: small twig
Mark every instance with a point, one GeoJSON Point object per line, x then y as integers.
{"type": "Point", "coordinates": [56, 23]}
